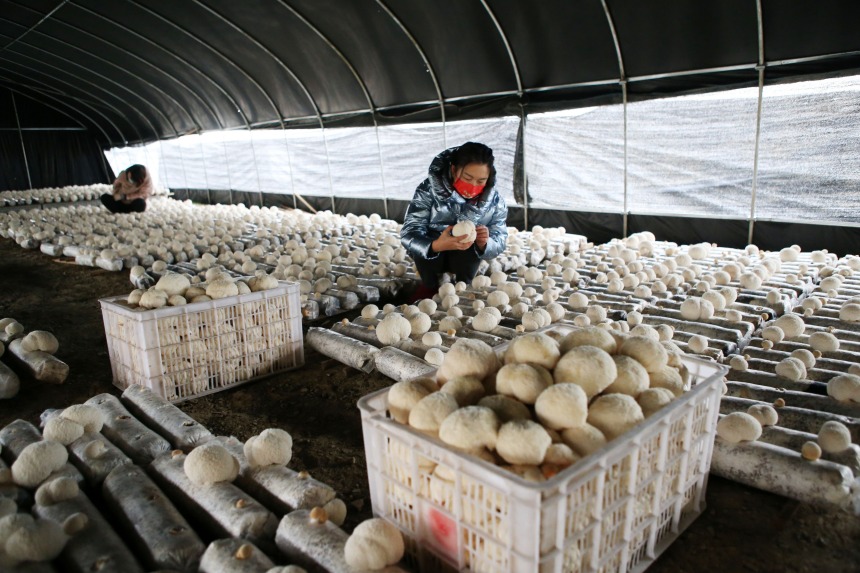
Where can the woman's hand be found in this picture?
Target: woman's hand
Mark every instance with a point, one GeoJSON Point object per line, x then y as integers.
{"type": "Point", "coordinates": [482, 235]}
{"type": "Point", "coordinates": [448, 242]}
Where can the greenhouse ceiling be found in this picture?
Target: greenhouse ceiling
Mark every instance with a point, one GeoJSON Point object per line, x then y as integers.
{"type": "Point", "coordinates": [142, 70]}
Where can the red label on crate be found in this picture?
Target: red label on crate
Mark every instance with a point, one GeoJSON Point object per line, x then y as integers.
{"type": "Point", "coordinates": [444, 530]}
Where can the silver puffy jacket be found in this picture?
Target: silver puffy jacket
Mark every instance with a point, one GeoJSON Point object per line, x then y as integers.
{"type": "Point", "coordinates": [436, 205]}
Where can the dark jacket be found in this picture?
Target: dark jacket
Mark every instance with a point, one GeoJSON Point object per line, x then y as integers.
{"type": "Point", "coordinates": [436, 205]}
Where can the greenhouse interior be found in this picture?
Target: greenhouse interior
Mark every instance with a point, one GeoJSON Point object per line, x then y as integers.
{"type": "Point", "coordinates": [424, 286]}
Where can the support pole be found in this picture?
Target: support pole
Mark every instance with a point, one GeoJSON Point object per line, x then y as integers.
{"type": "Point", "coordinates": [21, 138]}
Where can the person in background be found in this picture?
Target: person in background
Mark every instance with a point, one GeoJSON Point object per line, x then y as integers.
{"type": "Point", "coordinates": [131, 189]}
{"type": "Point", "coordinates": [460, 186]}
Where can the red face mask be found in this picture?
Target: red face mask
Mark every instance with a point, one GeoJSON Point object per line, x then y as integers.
{"type": "Point", "coordinates": [467, 190]}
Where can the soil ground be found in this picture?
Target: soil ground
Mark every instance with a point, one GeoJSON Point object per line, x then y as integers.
{"type": "Point", "coordinates": [742, 529]}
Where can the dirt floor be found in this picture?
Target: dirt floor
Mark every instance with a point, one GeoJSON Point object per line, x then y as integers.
{"type": "Point", "coordinates": [742, 529]}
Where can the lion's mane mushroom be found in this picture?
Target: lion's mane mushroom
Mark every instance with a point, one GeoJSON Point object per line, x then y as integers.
{"type": "Point", "coordinates": [791, 324]}
{"type": "Point", "coordinates": [523, 381]}
{"type": "Point", "coordinates": [584, 439]}
{"type": "Point", "coordinates": [374, 544]}
{"type": "Point", "coordinates": [631, 378]}
{"type": "Point", "coordinates": [429, 413]}
{"type": "Point", "coordinates": [466, 390]}
{"type": "Point", "coordinates": [650, 353]}
{"type": "Point", "coordinates": [535, 348]}
{"type": "Point", "coordinates": [403, 396]}
{"type": "Point", "coordinates": [652, 399]}
{"type": "Point", "coordinates": [210, 463]}
{"type": "Point", "coordinates": [791, 368]}
{"type": "Point", "coordinates": [562, 406]}
{"type": "Point", "coordinates": [845, 388]}
{"type": "Point", "coordinates": [470, 428]}
{"type": "Point", "coordinates": [764, 413]}
{"type": "Point", "coordinates": [506, 408]}
{"type": "Point", "coordinates": [272, 446]}
{"type": "Point", "coordinates": [669, 378]}
{"type": "Point", "coordinates": [614, 414]}
{"type": "Point", "coordinates": [221, 288]}
{"type": "Point", "coordinates": [522, 442]}
{"type": "Point", "coordinates": [739, 427]}
{"type": "Point", "coordinates": [834, 437]}
{"type": "Point", "coordinates": [40, 340]}
{"type": "Point", "coordinates": [173, 283]}
{"type": "Point", "coordinates": [468, 358]}
{"type": "Point", "coordinates": [37, 461]}
{"type": "Point", "coordinates": [589, 367]}
{"type": "Point", "coordinates": [393, 328]}
{"type": "Point", "coordinates": [823, 342]}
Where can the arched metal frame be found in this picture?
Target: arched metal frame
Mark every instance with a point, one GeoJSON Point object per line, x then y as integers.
{"type": "Point", "coordinates": [623, 81]}
{"type": "Point", "coordinates": [430, 69]}
{"type": "Point", "coordinates": [93, 122]}
{"type": "Point", "coordinates": [760, 68]}
{"type": "Point", "coordinates": [82, 101]}
{"type": "Point", "coordinates": [21, 138]}
{"type": "Point", "coordinates": [141, 114]}
{"type": "Point", "coordinates": [364, 91]}
{"type": "Point", "coordinates": [36, 25]}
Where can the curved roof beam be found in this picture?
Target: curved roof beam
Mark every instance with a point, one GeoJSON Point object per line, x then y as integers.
{"type": "Point", "coordinates": [621, 73]}
{"type": "Point", "coordinates": [36, 25]}
{"type": "Point", "coordinates": [507, 47]}
{"type": "Point", "coordinates": [337, 51]}
{"type": "Point", "coordinates": [141, 114]}
{"type": "Point", "coordinates": [44, 103]}
{"type": "Point", "coordinates": [272, 55]}
{"type": "Point", "coordinates": [133, 55]}
{"type": "Point", "coordinates": [99, 58]}
{"type": "Point", "coordinates": [219, 53]}
{"type": "Point", "coordinates": [87, 104]}
{"type": "Point", "coordinates": [204, 75]}
{"type": "Point", "coordinates": [412, 39]}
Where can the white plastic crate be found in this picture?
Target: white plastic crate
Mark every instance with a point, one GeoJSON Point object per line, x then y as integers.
{"type": "Point", "coordinates": [182, 352]}
{"type": "Point", "coordinates": [615, 510]}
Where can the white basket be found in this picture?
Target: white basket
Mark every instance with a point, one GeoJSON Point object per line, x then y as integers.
{"type": "Point", "coordinates": [182, 352]}
{"type": "Point", "coordinates": [615, 510]}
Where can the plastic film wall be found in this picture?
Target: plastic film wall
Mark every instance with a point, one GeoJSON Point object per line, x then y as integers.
{"type": "Point", "coordinates": [692, 156]}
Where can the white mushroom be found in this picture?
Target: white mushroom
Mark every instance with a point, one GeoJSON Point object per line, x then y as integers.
{"type": "Point", "coordinates": [535, 348]}
{"type": "Point", "coordinates": [470, 428]}
{"type": "Point", "coordinates": [90, 417]}
{"type": "Point", "coordinates": [764, 413]}
{"type": "Point", "coordinates": [221, 288]}
{"type": "Point", "coordinates": [506, 408]}
{"type": "Point", "coordinates": [791, 368]}
{"type": "Point", "coordinates": [431, 339]}
{"type": "Point", "coordinates": [589, 367]}
{"type": "Point", "coordinates": [669, 378]}
{"type": "Point", "coordinates": [650, 353]}
{"type": "Point", "coordinates": [845, 388]}
{"type": "Point", "coordinates": [393, 328]}
{"type": "Point", "coordinates": [40, 340]}
{"type": "Point", "coordinates": [562, 406]}
{"type": "Point", "coordinates": [271, 447]}
{"type": "Point", "coordinates": [37, 461]}
{"type": "Point", "coordinates": [523, 381]}
{"type": "Point", "coordinates": [522, 442]}
{"type": "Point", "coordinates": [429, 413]}
{"type": "Point", "coordinates": [584, 439]}
{"type": "Point", "coordinates": [791, 324]}
{"type": "Point", "coordinates": [210, 463]}
{"type": "Point", "coordinates": [173, 283]}
{"type": "Point", "coordinates": [738, 427]}
{"type": "Point", "coordinates": [631, 378]}
{"type": "Point", "coordinates": [653, 399]}
{"type": "Point", "coordinates": [614, 414]}
{"type": "Point", "coordinates": [590, 336]}
{"type": "Point", "coordinates": [834, 437]}
{"type": "Point", "coordinates": [374, 544]}
{"type": "Point", "coordinates": [466, 390]}
{"type": "Point", "coordinates": [823, 342]}
{"type": "Point", "coordinates": [59, 429]}
{"type": "Point", "coordinates": [468, 358]}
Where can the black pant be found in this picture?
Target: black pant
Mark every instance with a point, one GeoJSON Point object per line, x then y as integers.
{"type": "Point", "coordinates": [464, 264]}
{"type": "Point", "coordinates": [114, 206]}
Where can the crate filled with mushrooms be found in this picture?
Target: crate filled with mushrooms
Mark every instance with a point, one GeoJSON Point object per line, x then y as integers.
{"type": "Point", "coordinates": [566, 449]}
{"type": "Point", "coordinates": [232, 332]}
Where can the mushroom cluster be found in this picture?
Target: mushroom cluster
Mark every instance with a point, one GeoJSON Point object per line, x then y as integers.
{"type": "Point", "coordinates": [545, 401]}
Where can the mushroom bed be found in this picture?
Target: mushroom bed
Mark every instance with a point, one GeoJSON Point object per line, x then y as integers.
{"type": "Point", "coordinates": [784, 322]}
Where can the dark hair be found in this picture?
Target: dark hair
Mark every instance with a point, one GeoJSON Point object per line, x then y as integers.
{"type": "Point", "coordinates": [479, 153]}
{"type": "Point", "coordinates": [135, 174]}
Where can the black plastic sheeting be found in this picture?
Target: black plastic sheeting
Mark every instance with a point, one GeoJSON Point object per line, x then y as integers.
{"type": "Point", "coordinates": [141, 70]}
